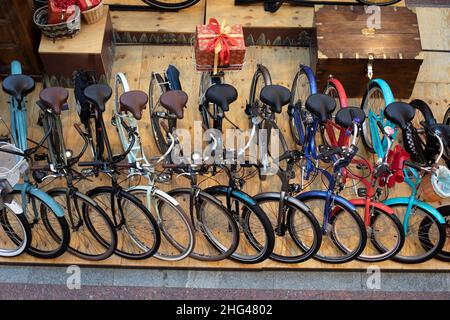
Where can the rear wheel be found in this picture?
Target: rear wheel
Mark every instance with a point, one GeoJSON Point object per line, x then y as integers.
{"type": "Point", "coordinates": [335, 90]}
{"type": "Point", "coordinates": [158, 113]}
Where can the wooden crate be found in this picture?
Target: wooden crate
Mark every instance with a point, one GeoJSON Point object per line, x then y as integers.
{"type": "Point", "coordinates": [345, 42]}
{"type": "Point", "coordinates": [91, 49]}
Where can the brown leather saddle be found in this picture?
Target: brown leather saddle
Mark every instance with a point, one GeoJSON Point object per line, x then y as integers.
{"type": "Point", "coordinates": [135, 102]}
{"type": "Point", "coordinates": [174, 101]}
{"type": "Point", "coordinates": [54, 98]}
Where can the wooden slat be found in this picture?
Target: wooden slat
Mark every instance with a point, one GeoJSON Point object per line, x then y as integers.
{"type": "Point", "coordinates": [434, 28]}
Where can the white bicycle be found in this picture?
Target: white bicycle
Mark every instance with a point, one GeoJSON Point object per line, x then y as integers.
{"type": "Point", "coordinates": [178, 239]}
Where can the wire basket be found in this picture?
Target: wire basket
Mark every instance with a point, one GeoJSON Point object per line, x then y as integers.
{"type": "Point", "coordinates": [429, 186]}
{"type": "Point", "coordinates": [11, 165]}
{"type": "Point", "coordinates": [94, 14]}
{"type": "Point", "coordinates": [60, 30]}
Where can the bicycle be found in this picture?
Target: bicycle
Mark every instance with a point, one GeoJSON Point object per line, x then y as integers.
{"type": "Point", "coordinates": [40, 209]}
{"type": "Point", "coordinates": [431, 235]}
{"type": "Point", "coordinates": [137, 230]}
{"type": "Point", "coordinates": [383, 227]}
{"type": "Point", "coordinates": [274, 5]}
{"type": "Point", "coordinates": [173, 222]}
{"type": "Point", "coordinates": [86, 218]}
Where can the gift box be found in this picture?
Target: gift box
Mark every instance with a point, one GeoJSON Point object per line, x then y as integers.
{"type": "Point", "coordinates": [219, 46]}
{"type": "Point", "coordinates": [60, 11]}
{"type": "Point", "coordinates": [87, 4]}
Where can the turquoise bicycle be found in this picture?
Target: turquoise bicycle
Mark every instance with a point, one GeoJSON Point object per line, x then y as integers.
{"type": "Point", "coordinates": [423, 240]}
{"type": "Point", "coordinates": [42, 212]}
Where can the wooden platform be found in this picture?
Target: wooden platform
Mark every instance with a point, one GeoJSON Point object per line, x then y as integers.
{"type": "Point", "coordinates": [139, 61]}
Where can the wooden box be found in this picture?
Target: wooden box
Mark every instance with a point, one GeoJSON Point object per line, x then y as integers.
{"type": "Point", "coordinates": [92, 49]}
{"type": "Point", "coordinates": [346, 39]}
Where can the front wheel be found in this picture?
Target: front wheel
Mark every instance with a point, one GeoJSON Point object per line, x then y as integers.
{"type": "Point", "coordinates": [425, 235]}
{"type": "Point", "coordinates": [178, 239]}
{"type": "Point", "coordinates": [444, 255]}
{"type": "Point", "coordinates": [15, 233]}
{"type": "Point", "coordinates": [343, 235]}
{"type": "Point", "coordinates": [138, 236]}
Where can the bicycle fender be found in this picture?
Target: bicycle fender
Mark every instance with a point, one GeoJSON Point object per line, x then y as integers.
{"type": "Point", "coordinates": [387, 92]}
{"type": "Point", "coordinates": [276, 196]}
{"type": "Point", "coordinates": [311, 78]}
{"type": "Point", "coordinates": [41, 195]}
{"type": "Point", "coordinates": [235, 192]}
{"type": "Point", "coordinates": [160, 193]}
{"type": "Point", "coordinates": [422, 205]}
{"type": "Point", "coordinates": [347, 205]}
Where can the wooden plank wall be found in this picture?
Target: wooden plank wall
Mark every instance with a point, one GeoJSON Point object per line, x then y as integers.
{"type": "Point", "coordinates": [137, 62]}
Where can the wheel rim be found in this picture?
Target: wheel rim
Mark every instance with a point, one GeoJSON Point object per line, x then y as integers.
{"type": "Point", "coordinates": [374, 104]}
{"type": "Point", "coordinates": [13, 238]}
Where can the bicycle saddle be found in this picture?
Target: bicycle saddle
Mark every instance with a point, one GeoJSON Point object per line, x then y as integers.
{"type": "Point", "coordinates": [399, 113]}
{"type": "Point", "coordinates": [134, 102]}
{"type": "Point", "coordinates": [98, 95]}
{"type": "Point", "coordinates": [174, 101]}
{"type": "Point", "coordinates": [320, 105]}
{"type": "Point", "coordinates": [275, 97]}
{"type": "Point", "coordinates": [18, 85]}
{"type": "Point", "coordinates": [346, 116]}
{"type": "Point", "coordinates": [54, 98]}
{"type": "Point", "coordinates": [221, 94]}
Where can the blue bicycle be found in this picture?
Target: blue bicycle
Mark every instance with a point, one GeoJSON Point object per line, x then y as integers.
{"type": "Point", "coordinates": [50, 231]}
{"type": "Point", "coordinates": [423, 240]}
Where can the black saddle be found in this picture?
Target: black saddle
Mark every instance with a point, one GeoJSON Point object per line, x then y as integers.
{"type": "Point", "coordinates": [346, 116]}
{"type": "Point", "coordinates": [18, 85]}
{"type": "Point", "coordinates": [399, 113]}
{"type": "Point", "coordinates": [98, 95]}
{"type": "Point", "coordinates": [275, 97]}
{"type": "Point", "coordinates": [321, 105]}
{"type": "Point", "coordinates": [222, 95]}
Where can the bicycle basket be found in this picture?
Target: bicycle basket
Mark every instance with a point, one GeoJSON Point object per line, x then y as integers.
{"type": "Point", "coordinates": [11, 165]}
{"type": "Point", "coordinates": [436, 186]}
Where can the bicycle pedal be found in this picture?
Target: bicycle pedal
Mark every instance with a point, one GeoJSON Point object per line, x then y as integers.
{"type": "Point", "coordinates": [361, 192]}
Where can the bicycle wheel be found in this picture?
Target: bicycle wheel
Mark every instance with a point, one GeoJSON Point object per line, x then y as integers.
{"type": "Point", "coordinates": [261, 78]}
{"type": "Point", "coordinates": [178, 239]}
{"type": "Point", "coordinates": [171, 4]}
{"type": "Point", "coordinates": [446, 119]}
{"type": "Point", "coordinates": [444, 255]}
{"type": "Point", "coordinates": [425, 236]}
{"type": "Point", "coordinates": [344, 237]}
{"type": "Point", "coordinates": [375, 99]}
{"type": "Point", "coordinates": [258, 239]}
{"type": "Point", "coordinates": [138, 236]}
{"type": "Point", "coordinates": [303, 86]}
{"type": "Point", "coordinates": [307, 229]}
{"type": "Point", "coordinates": [15, 233]}
{"type": "Point", "coordinates": [216, 231]}
{"type": "Point", "coordinates": [385, 235]}
{"type": "Point", "coordinates": [42, 219]}
{"type": "Point", "coordinates": [335, 90]}
{"type": "Point", "coordinates": [157, 112]}
{"type": "Point", "coordinates": [207, 108]}
{"type": "Point", "coordinates": [92, 233]}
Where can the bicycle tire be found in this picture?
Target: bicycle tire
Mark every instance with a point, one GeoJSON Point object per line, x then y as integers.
{"type": "Point", "coordinates": [423, 234]}
{"type": "Point", "coordinates": [383, 252]}
{"type": "Point", "coordinates": [90, 235]}
{"type": "Point", "coordinates": [158, 133]}
{"type": "Point", "coordinates": [204, 234]}
{"type": "Point", "coordinates": [164, 199]}
{"type": "Point", "coordinates": [171, 6]}
{"type": "Point", "coordinates": [261, 73]}
{"type": "Point", "coordinates": [239, 199]}
{"type": "Point", "coordinates": [338, 210]}
{"type": "Point", "coordinates": [446, 119]}
{"type": "Point", "coordinates": [16, 243]}
{"type": "Point", "coordinates": [334, 89]}
{"type": "Point", "coordinates": [137, 248]}
{"type": "Point", "coordinates": [373, 87]}
{"type": "Point", "coordinates": [379, 3]}
{"type": "Point", "coordinates": [293, 206]}
{"type": "Point", "coordinates": [444, 254]}
{"type": "Point", "coordinates": [40, 223]}
{"type": "Point", "coordinates": [304, 73]}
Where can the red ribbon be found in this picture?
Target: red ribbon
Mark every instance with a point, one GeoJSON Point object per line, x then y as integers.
{"type": "Point", "coordinates": [220, 38]}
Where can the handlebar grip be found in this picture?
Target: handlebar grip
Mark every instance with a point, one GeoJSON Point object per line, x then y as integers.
{"type": "Point", "coordinates": [412, 165]}
{"type": "Point", "coordinates": [42, 167]}
{"type": "Point", "coordinates": [170, 166]}
{"type": "Point", "coordinates": [90, 163]}
{"type": "Point", "coordinates": [125, 165]}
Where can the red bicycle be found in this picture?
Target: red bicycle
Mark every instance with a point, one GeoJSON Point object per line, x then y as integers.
{"type": "Point", "coordinates": [384, 228]}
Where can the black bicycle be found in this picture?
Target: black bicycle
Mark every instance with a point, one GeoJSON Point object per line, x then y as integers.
{"type": "Point", "coordinates": [137, 230]}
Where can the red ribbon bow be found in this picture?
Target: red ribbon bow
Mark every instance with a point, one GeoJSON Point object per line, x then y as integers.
{"type": "Point", "coordinates": [222, 39]}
